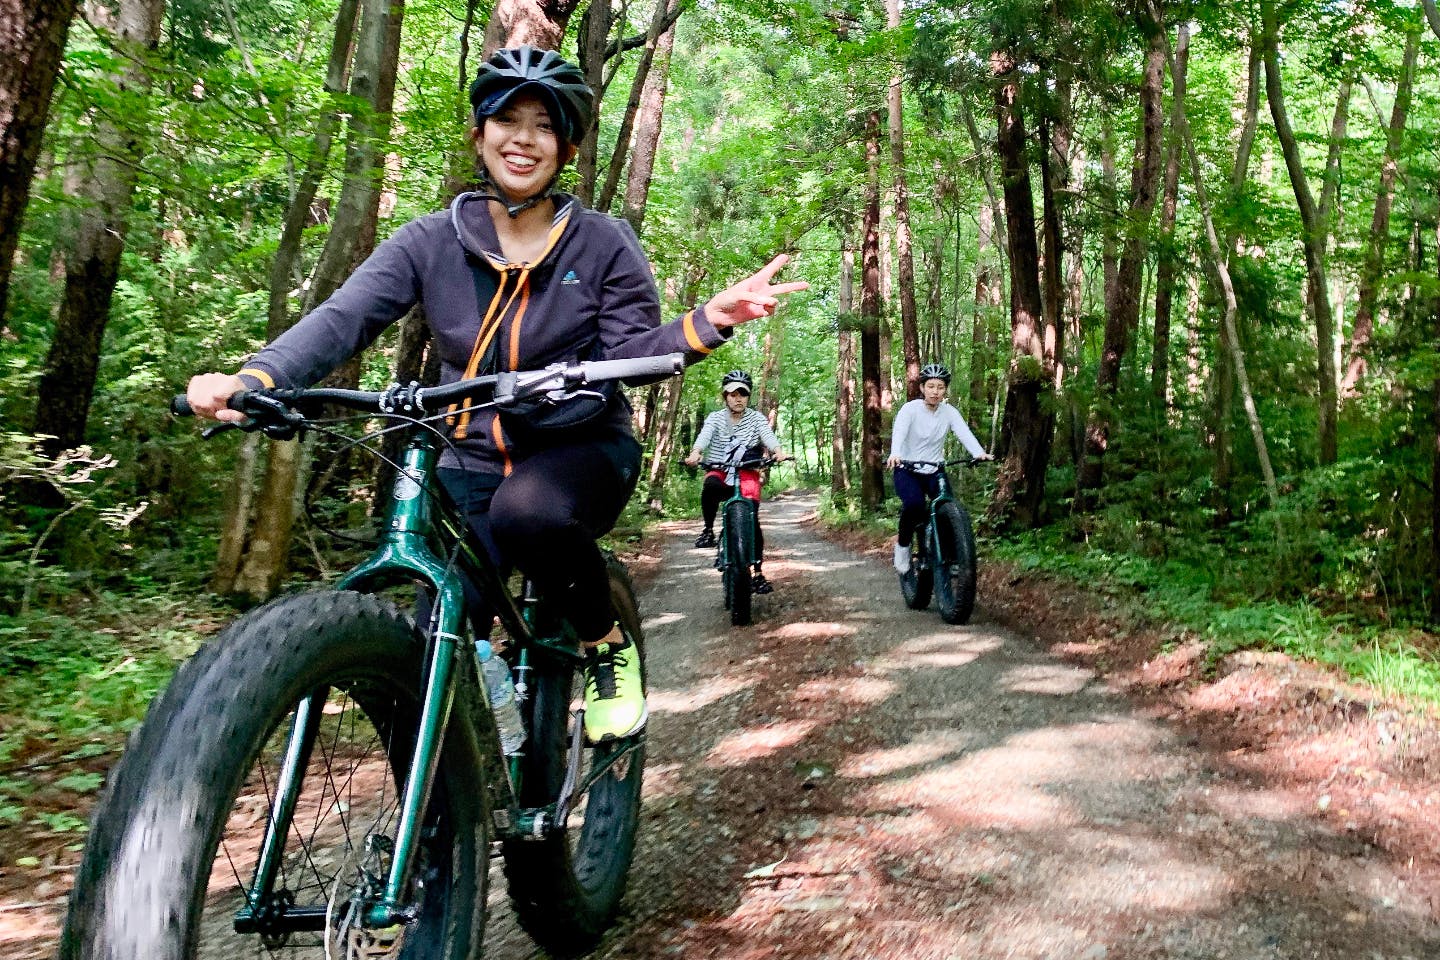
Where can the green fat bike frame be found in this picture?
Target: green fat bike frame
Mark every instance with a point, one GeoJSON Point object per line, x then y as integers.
{"type": "Point", "coordinates": [408, 554]}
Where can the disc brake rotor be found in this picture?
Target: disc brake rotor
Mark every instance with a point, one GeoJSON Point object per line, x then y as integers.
{"type": "Point", "coordinates": [358, 886]}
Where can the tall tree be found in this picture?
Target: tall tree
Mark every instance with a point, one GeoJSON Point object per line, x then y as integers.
{"type": "Point", "coordinates": [649, 117]}
{"type": "Point", "coordinates": [538, 23]}
{"type": "Point", "coordinates": [110, 160]}
{"type": "Point", "coordinates": [351, 238]}
{"type": "Point", "coordinates": [1312, 236]}
{"type": "Point", "coordinates": [1165, 268]}
{"type": "Point", "coordinates": [1122, 315]}
{"type": "Point", "coordinates": [872, 481]}
{"type": "Point", "coordinates": [1028, 428]}
{"type": "Point", "coordinates": [840, 436]}
{"type": "Point", "coordinates": [662, 25]}
{"type": "Point", "coordinates": [909, 329]}
{"type": "Point", "coordinates": [1364, 326]}
{"type": "Point", "coordinates": [32, 43]}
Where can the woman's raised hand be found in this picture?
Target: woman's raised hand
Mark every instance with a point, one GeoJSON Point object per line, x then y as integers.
{"type": "Point", "coordinates": [751, 298]}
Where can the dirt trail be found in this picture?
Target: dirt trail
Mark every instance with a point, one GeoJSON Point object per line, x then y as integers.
{"type": "Point", "coordinates": [851, 779]}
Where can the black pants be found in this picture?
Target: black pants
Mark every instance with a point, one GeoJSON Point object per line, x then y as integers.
{"type": "Point", "coordinates": [717, 491]}
{"type": "Point", "coordinates": [915, 491]}
{"type": "Point", "coordinates": [545, 517]}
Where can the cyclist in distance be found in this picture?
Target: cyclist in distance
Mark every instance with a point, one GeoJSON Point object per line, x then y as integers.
{"type": "Point", "coordinates": [518, 275]}
{"type": "Point", "coordinates": [734, 434]}
{"type": "Point", "coordinates": [919, 433]}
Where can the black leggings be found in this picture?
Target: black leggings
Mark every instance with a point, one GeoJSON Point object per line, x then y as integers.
{"type": "Point", "coordinates": [545, 517]}
{"type": "Point", "coordinates": [717, 491]}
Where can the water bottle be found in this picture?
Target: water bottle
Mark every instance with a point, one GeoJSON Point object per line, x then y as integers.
{"type": "Point", "coordinates": [500, 688]}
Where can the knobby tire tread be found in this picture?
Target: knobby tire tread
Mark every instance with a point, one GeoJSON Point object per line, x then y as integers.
{"type": "Point", "coordinates": [739, 549]}
{"type": "Point", "coordinates": [566, 889]}
{"type": "Point", "coordinates": [955, 580]}
{"type": "Point", "coordinates": [184, 766]}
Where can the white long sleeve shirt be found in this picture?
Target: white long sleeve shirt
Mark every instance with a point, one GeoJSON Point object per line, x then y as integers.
{"type": "Point", "coordinates": [919, 433]}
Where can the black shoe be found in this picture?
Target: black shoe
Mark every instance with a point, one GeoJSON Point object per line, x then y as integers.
{"type": "Point", "coordinates": [758, 584]}
{"type": "Point", "coordinates": [706, 539]}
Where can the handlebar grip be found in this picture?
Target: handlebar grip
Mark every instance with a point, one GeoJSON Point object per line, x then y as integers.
{"type": "Point", "coordinates": [665, 366]}
{"type": "Point", "coordinates": [180, 406]}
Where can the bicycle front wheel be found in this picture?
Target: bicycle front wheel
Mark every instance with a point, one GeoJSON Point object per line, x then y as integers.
{"type": "Point", "coordinates": [566, 887]}
{"type": "Point", "coordinates": [955, 565]}
{"type": "Point", "coordinates": [739, 548]}
{"type": "Point", "coordinates": [170, 868]}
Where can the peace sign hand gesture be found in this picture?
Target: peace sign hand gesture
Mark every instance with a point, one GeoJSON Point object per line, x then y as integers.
{"type": "Point", "coordinates": [751, 298]}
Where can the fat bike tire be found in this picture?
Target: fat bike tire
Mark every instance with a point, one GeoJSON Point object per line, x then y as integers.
{"type": "Point", "coordinates": [174, 840]}
{"type": "Point", "coordinates": [917, 583]}
{"type": "Point", "coordinates": [739, 548]}
{"type": "Point", "coordinates": [566, 887]}
{"type": "Point", "coordinates": [955, 567]}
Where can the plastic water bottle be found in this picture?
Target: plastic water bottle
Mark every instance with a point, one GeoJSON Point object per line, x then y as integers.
{"type": "Point", "coordinates": [500, 687]}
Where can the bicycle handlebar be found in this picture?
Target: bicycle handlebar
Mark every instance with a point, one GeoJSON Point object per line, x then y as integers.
{"type": "Point", "coordinates": [759, 464]}
{"type": "Point", "coordinates": [281, 410]}
{"type": "Point", "coordinates": [957, 462]}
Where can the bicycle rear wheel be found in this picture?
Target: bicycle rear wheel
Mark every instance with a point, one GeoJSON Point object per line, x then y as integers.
{"type": "Point", "coordinates": [174, 843]}
{"type": "Point", "coordinates": [917, 583]}
{"type": "Point", "coordinates": [566, 886]}
{"type": "Point", "coordinates": [955, 566]}
{"type": "Point", "coordinates": [739, 548]}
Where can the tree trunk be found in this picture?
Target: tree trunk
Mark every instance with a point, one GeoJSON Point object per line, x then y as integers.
{"type": "Point", "coordinates": [1222, 271]}
{"type": "Point", "coordinates": [1364, 327]}
{"type": "Point", "coordinates": [32, 45]}
{"type": "Point", "coordinates": [909, 322]}
{"type": "Point", "coordinates": [351, 238]}
{"type": "Point", "coordinates": [594, 38]}
{"type": "Point", "coordinates": [840, 453]}
{"type": "Point", "coordinates": [1122, 316]}
{"type": "Point", "coordinates": [539, 23]}
{"type": "Point", "coordinates": [872, 481]}
{"type": "Point", "coordinates": [1224, 398]}
{"type": "Point", "coordinates": [239, 507]}
{"type": "Point", "coordinates": [1313, 235]}
{"type": "Point", "coordinates": [767, 392]}
{"type": "Point", "coordinates": [1052, 185]}
{"type": "Point", "coordinates": [112, 156]}
{"type": "Point", "coordinates": [1028, 423]}
{"type": "Point", "coordinates": [1165, 270]}
{"type": "Point", "coordinates": [648, 122]}
{"type": "Point", "coordinates": [663, 24]}
{"type": "Point", "coordinates": [1110, 211]}
{"type": "Point", "coordinates": [664, 432]}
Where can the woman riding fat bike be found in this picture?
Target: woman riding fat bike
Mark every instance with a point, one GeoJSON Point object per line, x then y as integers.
{"type": "Point", "coordinates": [730, 436]}
{"type": "Point", "coordinates": [325, 776]}
{"type": "Point", "coordinates": [919, 434]}
{"type": "Point", "coordinates": [514, 276]}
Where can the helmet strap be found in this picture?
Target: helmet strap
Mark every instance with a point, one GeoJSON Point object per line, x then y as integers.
{"type": "Point", "coordinates": [491, 190]}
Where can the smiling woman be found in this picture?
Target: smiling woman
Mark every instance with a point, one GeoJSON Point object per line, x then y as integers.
{"type": "Point", "coordinates": [517, 276]}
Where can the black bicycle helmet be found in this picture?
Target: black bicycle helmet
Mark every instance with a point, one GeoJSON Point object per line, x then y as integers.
{"type": "Point", "coordinates": [554, 79]}
{"type": "Point", "coordinates": [935, 371]}
{"type": "Point", "coordinates": [736, 376]}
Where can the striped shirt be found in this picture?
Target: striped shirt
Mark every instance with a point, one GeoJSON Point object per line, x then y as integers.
{"type": "Point", "coordinates": [724, 440]}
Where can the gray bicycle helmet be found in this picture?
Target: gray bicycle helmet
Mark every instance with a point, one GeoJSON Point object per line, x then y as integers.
{"type": "Point", "coordinates": [935, 371]}
{"type": "Point", "coordinates": [557, 81]}
{"type": "Point", "coordinates": [734, 377]}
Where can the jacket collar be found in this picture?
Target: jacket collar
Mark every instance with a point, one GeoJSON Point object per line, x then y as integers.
{"type": "Point", "coordinates": [470, 218]}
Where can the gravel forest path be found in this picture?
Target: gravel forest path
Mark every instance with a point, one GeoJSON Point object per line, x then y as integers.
{"type": "Point", "coordinates": [850, 779]}
{"type": "Point", "coordinates": [847, 778]}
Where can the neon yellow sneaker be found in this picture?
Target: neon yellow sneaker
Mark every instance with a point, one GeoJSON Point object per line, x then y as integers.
{"type": "Point", "coordinates": [614, 693]}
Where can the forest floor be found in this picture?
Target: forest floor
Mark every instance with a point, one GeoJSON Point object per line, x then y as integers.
{"type": "Point", "coordinates": [847, 778]}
